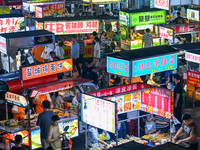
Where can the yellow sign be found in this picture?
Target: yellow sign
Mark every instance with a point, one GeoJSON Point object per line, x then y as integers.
{"type": "Point", "coordinates": [5, 10]}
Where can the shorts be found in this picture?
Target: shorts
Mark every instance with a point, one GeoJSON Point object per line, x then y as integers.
{"type": "Point", "coordinates": [45, 144]}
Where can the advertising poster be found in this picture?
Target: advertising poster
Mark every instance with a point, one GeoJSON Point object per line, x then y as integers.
{"type": "Point", "coordinates": [9, 25]}
{"type": "Point", "coordinates": [118, 66]}
{"type": "Point", "coordinates": [3, 45]}
{"type": "Point", "coordinates": [166, 33]}
{"type": "Point", "coordinates": [193, 14]}
{"type": "Point", "coordinates": [157, 101]}
{"type": "Point", "coordinates": [193, 78]}
{"type": "Point", "coordinates": [98, 112]}
{"type": "Point", "coordinates": [161, 4]}
{"type": "Point", "coordinates": [124, 18]}
{"type": "Point", "coordinates": [143, 18]}
{"type": "Point", "coordinates": [72, 27]}
{"type": "Point", "coordinates": [152, 65]}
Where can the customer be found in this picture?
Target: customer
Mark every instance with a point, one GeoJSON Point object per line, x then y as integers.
{"type": "Point", "coordinates": [54, 135]}
{"type": "Point", "coordinates": [18, 142]}
{"type": "Point", "coordinates": [189, 129]}
{"type": "Point", "coordinates": [178, 99]}
{"type": "Point", "coordinates": [81, 43]}
{"type": "Point", "coordinates": [150, 126]}
{"type": "Point", "coordinates": [96, 51]}
{"type": "Point", "coordinates": [110, 34]}
{"type": "Point", "coordinates": [75, 54]}
{"type": "Point", "coordinates": [59, 50]}
{"type": "Point", "coordinates": [179, 19]}
{"type": "Point", "coordinates": [86, 69]}
{"type": "Point", "coordinates": [147, 39]}
{"type": "Point", "coordinates": [36, 52]}
{"type": "Point", "coordinates": [44, 121]}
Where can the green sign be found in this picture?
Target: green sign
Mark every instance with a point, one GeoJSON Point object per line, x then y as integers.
{"type": "Point", "coordinates": [124, 32]}
{"type": "Point", "coordinates": [124, 18]}
{"type": "Point", "coordinates": [143, 18]}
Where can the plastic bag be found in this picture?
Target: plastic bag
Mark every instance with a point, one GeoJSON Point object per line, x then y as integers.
{"type": "Point", "coordinates": [173, 129]}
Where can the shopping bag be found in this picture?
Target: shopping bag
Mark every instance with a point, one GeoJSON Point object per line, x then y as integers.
{"type": "Point", "coordinates": [173, 129]}
{"type": "Point", "coordinates": [176, 121]}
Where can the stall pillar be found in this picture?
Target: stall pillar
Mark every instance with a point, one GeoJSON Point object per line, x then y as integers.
{"type": "Point", "coordinates": [86, 140]}
{"type": "Point", "coordinates": [6, 110]}
{"type": "Point", "coordinates": [138, 123]}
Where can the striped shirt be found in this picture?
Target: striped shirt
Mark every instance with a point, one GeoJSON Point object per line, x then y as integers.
{"type": "Point", "coordinates": [81, 45]}
{"type": "Point", "coordinates": [147, 39]}
{"type": "Point", "coordinates": [161, 119]}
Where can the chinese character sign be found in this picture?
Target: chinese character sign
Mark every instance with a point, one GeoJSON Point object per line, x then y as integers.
{"type": "Point", "coordinates": [3, 45]}
{"type": "Point", "coordinates": [166, 33]}
{"type": "Point", "coordinates": [100, 1]}
{"type": "Point", "coordinates": [157, 101]}
{"type": "Point", "coordinates": [72, 27]}
{"type": "Point", "coordinates": [46, 69]}
{"type": "Point", "coordinates": [16, 99]}
{"type": "Point", "coordinates": [153, 65]}
{"type": "Point", "coordinates": [9, 25]}
{"type": "Point", "coordinates": [98, 112]}
{"type": "Point", "coordinates": [193, 78]}
{"type": "Point", "coordinates": [193, 14]}
{"type": "Point", "coordinates": [162, 4]}
{"type": "Point", "coordinates": [143, 18]}
{"type": "Point", "coordinates": [179, 29]}
{"type": "Point", "coordinates": [118, 66]}
{"type": "Point", "coordinates": [192, 57]}
{"type": "Point", "coordinates": [124, 18]}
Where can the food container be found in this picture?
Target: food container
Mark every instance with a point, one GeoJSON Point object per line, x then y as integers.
{"type": "Point", "coordinates": [163, 141]}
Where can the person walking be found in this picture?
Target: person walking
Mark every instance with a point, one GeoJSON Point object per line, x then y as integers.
{"type": "Point", "coordinates": [147, 39]}
{"type": "Point", "coordinates": [75, 48]}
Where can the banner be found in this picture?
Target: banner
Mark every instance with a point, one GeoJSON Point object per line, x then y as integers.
{"type": "Point", "coordinates": [193, 78]}
{"type": "Point", "coordinates": [157, 101]}
{"type": "Point", "coordinates": [72, 27]}
{"type": "Point", "coordinates": [46, 69]}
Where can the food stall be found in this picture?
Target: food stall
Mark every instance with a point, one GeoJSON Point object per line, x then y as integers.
{"type": "Point", "coordinates": [10, 42]}
{"type": "Point", "coordinates": [72, 26]}
{"type": "Point", "coordinates": [133, 98]}
{"type": "Point", "coordinates": [140, 20]}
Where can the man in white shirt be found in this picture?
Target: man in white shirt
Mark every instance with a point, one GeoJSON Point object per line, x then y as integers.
{"type": "Point", "coordinates": [5, 64]}
{"type": "Point", "coordinates": [59, 50]}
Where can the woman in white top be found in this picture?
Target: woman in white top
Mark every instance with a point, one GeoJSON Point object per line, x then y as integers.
{"type": "Point", "coordinates": [96, 48]}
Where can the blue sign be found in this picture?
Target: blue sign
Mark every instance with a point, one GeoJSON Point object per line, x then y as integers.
{"type": "Point", "coordinates": [156, 64]}
{"type": "Point", "coordinates": [118, 66]}
{"type": "Point", "coordinates": [26, 6]}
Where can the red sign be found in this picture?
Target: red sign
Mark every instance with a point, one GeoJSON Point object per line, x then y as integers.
{"type": "Point", "coordinates": [162, 4]}
{"type": "Point", "coordinates": [46, 69]}
{"type": "Point", "coordinates": [193, 78]}
{"type": "Point", "coordinates": [119, 89]}
{"type": "Point", "coordinates": [157, 101]}
{"type": "Point", "coordinates": [192, 57]}
{"type": "Point", "coordinates": [179, 29]}
{"type": "Point", "coordinates": [72, 27]}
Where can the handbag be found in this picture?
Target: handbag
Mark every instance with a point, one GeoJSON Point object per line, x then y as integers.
{"type": "Point", "coordinates": [65, 143]}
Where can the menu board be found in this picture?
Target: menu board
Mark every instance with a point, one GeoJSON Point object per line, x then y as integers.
{"type": "Point", "coordinates": [143, 18]}
{"type": "Point", "coordinates": [158, 101]}
{"type": "Point", "coordinates": [156, 64]}
{"type": "Point", "coordinates": [98, 112]}
{"type": "Point", "coordinates": [118, 66]}
{"type": "Point", "coordinates": [193, 78]}
{"type": "Point", "coordinates": [193, 14]}
{"type": "Point", "coordinates": [72, 132]}
{"type": "Point", "coordinates": [166, 33]}
{"type": "Point", "coordinates": [15, 99]}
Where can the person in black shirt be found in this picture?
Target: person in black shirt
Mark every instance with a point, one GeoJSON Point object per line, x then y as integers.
{"type": "Point", "coordinates": [86, 69]}
{"type": "Point", "coordinates": [93, 75]}
{"type": "Point", "coordinates": [18, 142]}
{"type": "Point", "coordinates": [178, 99]}
{"type": "Point", "coordinates": [179, 19]}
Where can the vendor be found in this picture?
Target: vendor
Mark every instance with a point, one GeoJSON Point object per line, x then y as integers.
{"type": "Point", "coordinates": [59, 100]}
{"type": "Point", "coordinates": [179, 19]}
{"type": "Point", "coordinates": [18, 112]}
{"type": "Point", "coordinates": [134, 34]}
{"type": "Point", "coordinates": [110, 34]}
{"type": "Point", "coordinates": [190, 132]}
{"type": "Point", "coordinates": [38, 102]}
{"type": "Point", "coordinates": [150, 126]}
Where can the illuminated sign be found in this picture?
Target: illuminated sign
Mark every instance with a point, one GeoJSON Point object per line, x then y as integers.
{"type": "Point", "coordinates": [9, 25]}
{"type": "Point", "coordinates": [151, 17]}
{"type": "Point", "coordinates": [98, 112]}
{"type": "Point", "coordinates": [193, 14]}
{"type": "Point", "coordinates": [16, 99]}
{"type": "Point", "coordinates": [162, 4]}
{"type": "Point", "coordinates": [124, 18]}
{"type": "Point", "coordinates": [192, 57]}
{"type": "Point", "coordinates": [71, 27]}
{"type": "Point", "coordinates": [186, 28]}
{"type": "Point", "coordinates": [3, 45]}
{"type": "Point", "coordinates": [153, 65]}
{"type": "Point", "coordinates": [118, 66]}
{"type": "Point", "coordinates": [166, 33]}
{"type": "Point", "coordinates": [46, 69]}
{"type": "Point", "coordinates": [193, 78]}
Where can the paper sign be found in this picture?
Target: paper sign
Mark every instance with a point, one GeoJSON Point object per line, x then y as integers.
{"type": "Point", "coordinates": [193, 14]}
{"type": "Point", "coordinates": [166, 33]}
{"type": "Point", "coordinates": [16, 99]}
{"type": "Point", "coordinates": [46, 69]}
{"type": "Point", "coordinates": [98, 112]}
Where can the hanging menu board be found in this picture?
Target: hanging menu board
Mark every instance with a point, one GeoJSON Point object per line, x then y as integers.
{"type": "Point", "coordinates": [98, 112]}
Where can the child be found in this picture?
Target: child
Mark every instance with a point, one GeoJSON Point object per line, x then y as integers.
{"type": "Point", "coordinates": [150, 126]}
{"type": "Point", "coordinates": [18, 142]}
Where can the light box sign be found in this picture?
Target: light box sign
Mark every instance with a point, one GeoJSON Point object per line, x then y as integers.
{"type": "Point", "coordinates": [162, 4]}
{"type": "Point", "coordinates": [10, 25]}
{"type": "Point", "coordinates": [118, 66]}
{"type": "Point", "coordinates": [72, 27]}
{"type": "Point", "coordinates": [153, 65]}
{"type": "Point", "coordinates": [16, 99]}
{"type": "Point", "coordinates": [98, 112]}
{"type": "Point", "coordinates": [46, 69]}
{"type": "Point", "coordinates": [193, 14]}
{"type": "Point", "coordinates": [192, 57]}
{"type": "Point", "coordinates": [186, 28]}
{"type": "Point", "coordinates": [151, 17]}
{"type": "Point", "coordinates": [124, 18]}
{"type": "Point", "coordinates": [166, 33]}
{"type": "Point", "coordinates": [3, 45]}
{"type": "Point", "coordinates": [193, 78]}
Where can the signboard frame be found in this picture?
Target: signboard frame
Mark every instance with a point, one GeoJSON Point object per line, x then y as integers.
{"type": "Point", "coordinates": [16, 99]}
{"type": "Point", "coordinates": [166, 33]}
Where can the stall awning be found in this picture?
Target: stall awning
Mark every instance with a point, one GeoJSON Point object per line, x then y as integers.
{"type": "Point", "coordinates": [102, 17]}
{"type": "Point", "coordinates": [56, 86]}
{"type": "Point", "coordinates": [144, 53]}
{"type": "Point", "coordinates": [191, 46]}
